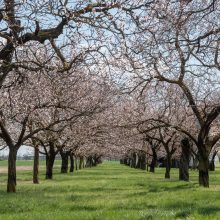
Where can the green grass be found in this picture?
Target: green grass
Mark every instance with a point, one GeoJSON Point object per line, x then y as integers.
{"type": "Point", "coordinates": [110, 191]}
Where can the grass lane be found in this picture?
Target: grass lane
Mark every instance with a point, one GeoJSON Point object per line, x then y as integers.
{"type": "Point", "coordinates": [110, 191]}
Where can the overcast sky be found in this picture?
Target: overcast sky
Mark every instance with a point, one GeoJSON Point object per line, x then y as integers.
{"type": "Point", "coordinates": [24, 150]}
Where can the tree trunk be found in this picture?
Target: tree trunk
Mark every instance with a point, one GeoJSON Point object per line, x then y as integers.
{"type": "Point", "coordinates": [130, 162]}
{"type": "Point", "coordinates": [212, 165]}
{"type": "Point", "coordinates": [71, 163]}
{"type": "Point", "coordinates": [80, 162]}
{"type": "Point", "coordinates": [168, 166]}
{"type": "Point", "coordinates": [127, 161]}
{"type": "Point", "coordinates": [212, 162]}
{"type": "Point", "coordinates": [203, 167]}
{"type": "Point", "coordinates": [152, 166]}
{"type": "Point", "coordinates": [147, 163]}
{"type": "Point", "coordinates": [11, 186]}
{"type": "Point", "coordinates": [36, 165]}
{"type": "Point", "coordinates": [64, 165]}
{"type": "Point", "coordinates": [138, 158]}
{"type": "Point", "coordinates": [49, 166]}
{"type": "Point", "coordinates": [203, 172]}
{"type": "Point", "coordinates": [89, 162]}
{"type": "Point", "coordinates": [76, 165]}
{"type": "Point", "coordinates": [133, 163]}
{"type": "Point", "coordinates": [143, 161]}
{"type": "Point", "coordinates": [153, 161]}
{"type": "Point", "coordinates": [195, 162]}
{"type": "Point", "coordinates": [97, 160]}
{"type": "Point", "coordinates": [94, 161]}
{"type": "Point", "coordinates": [184, 161]}
{"type": "Point", "coordinates": [83, 163]}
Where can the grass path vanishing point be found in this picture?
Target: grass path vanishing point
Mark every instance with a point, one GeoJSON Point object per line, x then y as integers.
{"type": "Point", "coordinates": [109, 191]}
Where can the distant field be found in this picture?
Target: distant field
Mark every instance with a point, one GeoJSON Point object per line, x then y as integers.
{"type": "Point", "coordinates": [109, 191]}
{"type": "Point", "coordinates": [23, 165]}
{"type": "Point", "coordinates": [26, 162]}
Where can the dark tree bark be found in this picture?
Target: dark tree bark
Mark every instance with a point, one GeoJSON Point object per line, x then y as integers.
{"type": "Point", "coordinates": [203, 172]}
{"type": "Point", "coordinates": [138, 158]}
{"type": "Point", "coordinates": [64, 156]}
{"type": "Point", "coordinates": [76, 163]}
{"type": "Point", "coordinates": [130, 162]}
{"type": "Point", "coordinates": [80, 162]}
{"type": "Point", "coordinates": [83, 163]}
{"type": "Point", "coordinates": [153, 161]}
{"type": "Point", "coordinates": [203, 167]}
{"type": "Point", "coordinates": [212, 162]}
{"type": "Point", "coordinates": [184, 160]}
{"type": "Point", "coordinates": [127, 161]}
{"type": "Point", "coordinates": [133, 162]}
{"type": "Point", "coordinates": [195, 162]}
{"type": "Point", "coordinates": [71, 163]}
{"type": "Point", "coordinates": [168, 167]}
{"type": "Point", "coordinates": [49, 166]}
{"type": "Point", "coordinates": [50, 158]}
{"type": "Point", "coordinates": [212, 165]}
{"type": "Point", "coordinates": [141, 160]}
{"type": "Point", "coordinates": [36, 165]}
{"type": "Point", "coordinates": [96, 160]}
{"type": "Point", "coordinates": [11, 185]}
{"type": "Point", "coordinates": [89, 162]}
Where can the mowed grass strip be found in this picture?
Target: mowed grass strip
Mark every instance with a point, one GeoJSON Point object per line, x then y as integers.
{"type": "Point", "coordinates": [110, 191]}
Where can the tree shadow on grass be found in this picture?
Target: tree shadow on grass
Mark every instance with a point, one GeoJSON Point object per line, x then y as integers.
{"type": "Point", "coordinates": [83, 208]}
{"type": "Point", "coordinates": [204, 211]}
{"type": "Point", "coordinates": [153, 188]}
{"type": "Point", "coordinates": [188, 207]}
{"type": "Point", "coordinates": [180, 204]}
{"type": "Point", "coordinates": [74, 197]}
{"type": "Point", "coordinates": [208, 210]}
{"type": "Point", "coordinates": [183, 214]}
{"type": "Point", "coordinates": [136, 194]}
